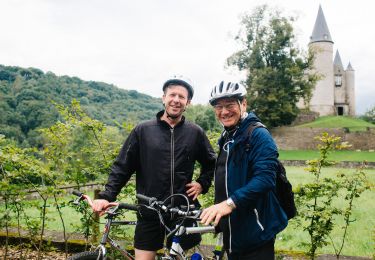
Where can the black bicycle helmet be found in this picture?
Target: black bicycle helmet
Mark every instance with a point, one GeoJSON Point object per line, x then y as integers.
{"type": "Point", "coordinates": [180, 80]}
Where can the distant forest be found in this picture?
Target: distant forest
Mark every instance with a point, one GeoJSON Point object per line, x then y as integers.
{"type": "Point", "coordinates": [27, 96]}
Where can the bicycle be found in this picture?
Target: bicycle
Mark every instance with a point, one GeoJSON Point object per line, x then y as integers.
{"type": "Point", "coordinates": [174, 252]}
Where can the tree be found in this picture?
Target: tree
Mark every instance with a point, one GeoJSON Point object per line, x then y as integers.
{"type": "Point", "coordinates": [204, 116]}
{"type": "Point", "coordinates": [277, 75]}
{"type": "Point", "coordinates": [369, 116]}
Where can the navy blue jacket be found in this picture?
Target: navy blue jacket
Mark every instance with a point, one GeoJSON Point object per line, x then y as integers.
{"type": "Point", "coordinates": [250, 182]}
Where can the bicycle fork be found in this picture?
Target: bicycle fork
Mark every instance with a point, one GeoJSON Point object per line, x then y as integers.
{"type": "Point", "coordinates": [176, 250]}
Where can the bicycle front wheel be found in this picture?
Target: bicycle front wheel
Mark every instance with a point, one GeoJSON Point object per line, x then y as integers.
{"type": "Point", "coordinates": [89, 255]}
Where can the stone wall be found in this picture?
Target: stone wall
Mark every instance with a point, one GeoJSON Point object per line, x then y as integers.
{"type": "Point", "coordinates": [305, 117]}
{"type": "Point", "coordinates": [342, 164]}
{"type": "Point", "coordinates": [295, 138]}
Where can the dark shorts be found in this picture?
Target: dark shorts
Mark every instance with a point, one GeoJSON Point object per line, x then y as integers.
{"type": "Point", "coordinates": [150, 235]}
{"type": "Point", "coordinates": [264, 252]}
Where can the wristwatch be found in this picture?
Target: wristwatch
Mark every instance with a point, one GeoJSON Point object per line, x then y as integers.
{"type": "Point", "coordinates": [230, 203]}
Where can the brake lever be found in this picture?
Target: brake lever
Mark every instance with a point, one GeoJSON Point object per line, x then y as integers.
{"type": "Point", "coordinates": [112, 211]}
{"type": "Point", "coordinates": [76, 202]}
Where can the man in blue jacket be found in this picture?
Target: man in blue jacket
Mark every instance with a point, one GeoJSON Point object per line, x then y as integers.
{"type": "Point", "coordinates": [246, 208]}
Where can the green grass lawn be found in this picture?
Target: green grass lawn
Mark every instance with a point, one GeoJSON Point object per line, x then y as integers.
{"type": "Point", "coordinates": [354, 124]}
{"type": "Point", "coordinates": [360, 240]}
{"type": "Point", "coordinates": [335, 155]}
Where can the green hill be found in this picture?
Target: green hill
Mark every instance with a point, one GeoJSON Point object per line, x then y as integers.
{"type": "Point", "coordinates": [353, 124]}
{"type": "Point", "coordinates": [26, 97]}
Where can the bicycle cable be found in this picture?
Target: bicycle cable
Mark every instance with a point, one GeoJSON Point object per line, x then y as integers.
{"type": "Point", "coordinates": [183, 218]}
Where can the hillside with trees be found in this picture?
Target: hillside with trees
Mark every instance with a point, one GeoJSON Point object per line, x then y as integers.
{"type": "Point", "coordinates": [28, 98]}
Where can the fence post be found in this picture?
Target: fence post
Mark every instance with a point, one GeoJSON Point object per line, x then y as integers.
{"type": "Point", "coordinates": [95, 223]}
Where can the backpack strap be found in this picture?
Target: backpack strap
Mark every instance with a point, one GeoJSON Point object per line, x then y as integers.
{"type": "Point", "coordinates": [253, 126]}
{"type": "Point", "coordinates": [250, 130]}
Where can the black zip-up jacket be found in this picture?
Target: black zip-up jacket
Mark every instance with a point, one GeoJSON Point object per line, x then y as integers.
{"type": "Point", "coordinates": [163, 159]}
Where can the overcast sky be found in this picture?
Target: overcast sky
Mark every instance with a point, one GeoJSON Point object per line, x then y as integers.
{"type": "Point", "coordinates": [139, 44]}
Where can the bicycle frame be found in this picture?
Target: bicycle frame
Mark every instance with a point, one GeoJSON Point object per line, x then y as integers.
{"type": "Point", "coordinates": [175, 252]}
{"type": "Point", "coordinates": [107, 239]}
{"type": "Point", "coordinates": [176, 249]}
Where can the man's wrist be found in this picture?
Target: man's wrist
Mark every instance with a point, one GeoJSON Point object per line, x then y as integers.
{"type": "Point", "coordinates": [203, 188]}
{"type": "Point", "coordinates": [230, 203]}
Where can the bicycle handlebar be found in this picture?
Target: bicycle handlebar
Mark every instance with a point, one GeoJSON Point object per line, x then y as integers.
{"type": "Point", "coordinates": [154, 203]}
{"type": "Point", "coordinates": [111, 204]}
{"type": "Point", "coordinates": [77, 193]}
{"type": "Point", "coordinates": [150, 201]}
{"type": "Point", "coordinates": [128, 206]}
{"type": "Point", "coordinates": [144, 198]}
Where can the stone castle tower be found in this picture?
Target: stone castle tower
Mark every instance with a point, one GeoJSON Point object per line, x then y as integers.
{"type": "Point", "coordinates": [334, 93]}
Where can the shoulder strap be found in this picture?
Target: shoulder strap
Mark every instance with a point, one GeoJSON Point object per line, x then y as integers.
{"type": "Point", "coordinates": [250, 130]}
{"type": "Point", "coordinates": [253, 126]}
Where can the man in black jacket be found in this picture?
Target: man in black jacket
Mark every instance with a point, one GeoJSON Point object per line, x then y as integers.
{"type": "Point", "coordinates": [162, 152]}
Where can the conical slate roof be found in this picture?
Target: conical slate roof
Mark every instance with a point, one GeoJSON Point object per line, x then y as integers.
{"type": "Point", "coordinates": [349, 67]}
{"type": "Point", "coordinates": [337, 61]}
{"type": "Point", "coordinates": [320, 32]}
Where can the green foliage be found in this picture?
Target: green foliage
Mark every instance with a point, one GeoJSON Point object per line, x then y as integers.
{"type": "Point", "coordinates": [317, 212]}
{"type": "Point", "coordinates": [20, 171]}
{"type": "Point", "coordinates": [208, 199]}
{"type": "Point", "coordinates": [369, 116]}
{"type": "Point", "coordinates": [26, 97]}
{"type": "Point", "coordinates": [85, 221]}
{"type": "Point", "coordinates": [353, 185]}
{"type": "Point", "coordinates": [359, 240]}
{"type": "Point", "coordinates": [277, 70]}
{"type": "Point", "coordinates": [82, 150]}
{"type": "Point", "coordinates": [204, 116]}
{"type": "Point", "coordinates": [352, 124]}
{"type": "Point", "coordinates": [79, 148]}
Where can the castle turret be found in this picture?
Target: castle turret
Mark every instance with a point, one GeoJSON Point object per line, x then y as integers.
{"type": "Point", "coordinates": [321, 44]}
{"type": "Point", "coordinates": [341, 105]}
{"type": "Point", "coordinates": [350, 86]}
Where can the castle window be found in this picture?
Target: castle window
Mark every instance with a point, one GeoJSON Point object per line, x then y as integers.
{"type": "Point", "coordinates": [338, 80]}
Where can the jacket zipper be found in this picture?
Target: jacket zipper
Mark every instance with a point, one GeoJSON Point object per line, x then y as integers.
{"type": "Point", "coordinates": [257, 216]}
{"type": "Point", "coordinates": [172, 164]}
{"type": "Point", "coordinates": [226, 146]}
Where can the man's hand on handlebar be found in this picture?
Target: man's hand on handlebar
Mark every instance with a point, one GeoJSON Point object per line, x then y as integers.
{"type": "Point", "coordinates": [99, 206]}
{"type": "Point", "coordinates": [215, 213]}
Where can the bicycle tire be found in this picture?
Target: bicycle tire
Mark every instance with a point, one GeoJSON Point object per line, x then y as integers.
{"type": "Point", "coordinates": [88, 255]}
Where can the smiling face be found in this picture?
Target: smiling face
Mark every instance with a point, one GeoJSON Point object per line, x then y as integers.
{"type": "Point", "coordinates": [175, 100]}
{"type": "Point", "coordinates": [228, 111]}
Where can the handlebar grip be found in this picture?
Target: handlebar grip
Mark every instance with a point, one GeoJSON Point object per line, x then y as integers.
{"type": "Point", "coordinates": [200, 230]}
{"type": "Point", "coordinates": [77, 193]}
{"type": "Point", "coordinates": [128, 206]}
{"type": "Point", "coordinates": [144, 198]}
